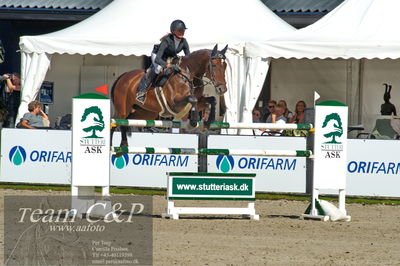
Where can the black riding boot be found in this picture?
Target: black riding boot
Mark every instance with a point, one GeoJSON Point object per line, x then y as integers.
{"type": "Point", "coordinates": [144, 85]}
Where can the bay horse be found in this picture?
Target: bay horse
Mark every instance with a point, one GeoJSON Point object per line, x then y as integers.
{"type": "Point", "coordinates": [181, 93]}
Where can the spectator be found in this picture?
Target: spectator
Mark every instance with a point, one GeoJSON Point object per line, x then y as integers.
{"type": "Point", "coordinates": [66, 121]}
{"type": "Point", "coordinates": [287, 113]}
{"type": "Point", "coordinates": [277, 117]}
{"type": "Point", "coordinates": [35, 118]}
{"type": "Point", "coordinates": [271, 109]}
{"type": "Point", "coordinates": [256, 116]}
{"type": "Point", "coordinates": [12, 97]}
{"type": "Point", "coordinates": [298, 117]}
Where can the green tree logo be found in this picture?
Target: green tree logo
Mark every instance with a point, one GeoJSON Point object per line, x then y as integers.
{"type": "Point", "coordinates": [94, 117]}
{"type": "Point", "coordinates": [337, 129]}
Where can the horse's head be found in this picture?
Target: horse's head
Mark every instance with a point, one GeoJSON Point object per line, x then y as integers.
{"type": "Point", "coordinates": [216, 69]}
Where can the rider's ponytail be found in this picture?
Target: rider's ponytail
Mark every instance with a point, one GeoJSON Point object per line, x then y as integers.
{"type": "Point", "coordinates": [165, 36]}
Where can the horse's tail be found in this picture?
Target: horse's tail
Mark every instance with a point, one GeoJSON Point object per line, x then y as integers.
{"type": "Point", "coordinates": [113, 86]}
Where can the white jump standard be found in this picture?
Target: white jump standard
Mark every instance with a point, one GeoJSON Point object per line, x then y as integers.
{"type": "Point", "coordinates": [330, 151]}
{"type": "Point", "coordinates": [90, 149]}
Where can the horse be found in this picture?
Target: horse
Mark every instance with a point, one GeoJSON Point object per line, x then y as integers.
{"type": "Point", "coordinates": [179, 92]}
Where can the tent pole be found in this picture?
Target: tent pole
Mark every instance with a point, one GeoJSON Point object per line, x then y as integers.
{"type": "Point", "coordinates": [360, 88]}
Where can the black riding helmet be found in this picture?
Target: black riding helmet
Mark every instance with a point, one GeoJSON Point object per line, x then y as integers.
{"type": "Point", "coordinates": [177, 25]}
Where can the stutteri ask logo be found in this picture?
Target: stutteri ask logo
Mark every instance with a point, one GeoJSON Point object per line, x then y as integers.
{"type": "Point", "coordinates": [333, 123]}
{"type": "Point", "coordinates": [94, 121]}
{"type": "Point", "coordinates": [121, 161]}
{"type": "Point", "coordinates": [17, 155]}
{"type": "Point", "coordinates": [225, 163]}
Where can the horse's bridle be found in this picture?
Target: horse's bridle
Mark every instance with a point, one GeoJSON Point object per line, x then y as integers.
{"type": "Point", "coordinates": [210, 69]}
{"type": "Point", "coordinates": [210, 73]}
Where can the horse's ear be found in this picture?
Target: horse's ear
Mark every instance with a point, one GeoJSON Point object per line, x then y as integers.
{"type": "Point", "coordinates": [390, 88]}
{"type": "Point", "coordinates": [386, 86]}
{"type": "Point", "coordinates": [214, 51]}
{"type": "Point", "coordinates": [224, 50]}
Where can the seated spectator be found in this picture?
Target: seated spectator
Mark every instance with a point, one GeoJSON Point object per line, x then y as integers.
{"type": "Point", "coordinates": [271, 108]}
{"type": "Point", "coordinates": [66, 122]}
{"type": "Point", "coordinates": [256, 116]}
{"type": "Point", "coordinates": [277, 117]}
{"type": "Point", "coordinates": [35, 118]}
{"type": "Point", "coordinates": [287, 113]}
{"type": "Point", "coordinates": [298, 117]}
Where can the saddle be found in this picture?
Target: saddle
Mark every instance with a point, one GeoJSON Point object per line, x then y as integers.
{"type": "Point", "coordinates": [160, 79]}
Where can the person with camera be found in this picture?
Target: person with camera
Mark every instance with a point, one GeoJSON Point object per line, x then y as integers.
{"type": "Point", "coordinates": [12, 92]}
{"type": "Point", "coordinates": [35, 118]}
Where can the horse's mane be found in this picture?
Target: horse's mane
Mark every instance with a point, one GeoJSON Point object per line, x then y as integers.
{"type": "Point", "coordinates": [193, 57]}
{"type": "Point", "coordinates": [201, 51]}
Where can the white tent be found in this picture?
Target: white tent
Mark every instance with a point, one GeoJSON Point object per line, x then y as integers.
{"type": "Point", "coordinates": [355, 29]}
{"type": "Point", "coordinates": [360, 30]}
{"type": "Point", "coordinates": [131, 27]}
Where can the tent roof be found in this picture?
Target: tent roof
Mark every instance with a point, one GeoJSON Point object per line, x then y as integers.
{"type": "Point", "coordinates": [355, 29]}
{"type": "Point", "coordinates": [131, 27]}
{"type": "Point", "coordinates": [56, 4]}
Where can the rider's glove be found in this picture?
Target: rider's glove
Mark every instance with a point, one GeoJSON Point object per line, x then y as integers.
{"type": "Point", "coordinates": [175, 68]}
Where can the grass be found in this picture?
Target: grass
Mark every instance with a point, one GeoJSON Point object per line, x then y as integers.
{"type": "Point", "coordinates": [162, 192]}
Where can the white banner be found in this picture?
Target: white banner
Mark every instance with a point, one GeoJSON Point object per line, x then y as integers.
{"type": "Point", "coordinates": [330, 145]}
{"type": "Point", "coordinates": [276, 174]}
{"type": "Point", "coordinates": [373, 167]}
{"type": "Point", "coordinates": [149, 170]}
{"type": "Point", "coordinates": [36, 156]}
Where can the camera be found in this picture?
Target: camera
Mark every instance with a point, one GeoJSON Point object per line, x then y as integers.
{"type": "Point", "coordinates": [2, 78]}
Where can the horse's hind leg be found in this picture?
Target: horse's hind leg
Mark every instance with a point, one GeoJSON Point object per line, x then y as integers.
{"type": "Point", "coordinates": [112, 134]}
{"type": "Point", "coordinates": [139, 113]}
{"type": "Point", "coordinates": [124, 139]}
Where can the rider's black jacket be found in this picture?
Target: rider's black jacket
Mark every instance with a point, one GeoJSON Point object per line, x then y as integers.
{"type": "Point", "coordinates": [167, 49]}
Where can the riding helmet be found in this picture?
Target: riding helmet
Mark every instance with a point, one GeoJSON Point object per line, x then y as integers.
{"type": "Point", "coordinates": [177, 25]}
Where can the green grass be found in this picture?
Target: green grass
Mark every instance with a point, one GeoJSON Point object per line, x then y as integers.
{"type": "Point", "coordinates": [261, 196]}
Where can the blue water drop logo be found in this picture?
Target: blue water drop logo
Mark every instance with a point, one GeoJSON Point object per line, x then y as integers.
{"type": "Point", "coordinates": [17, 155]}
{"type": "Point", "coordinates": [121, 161]}
{"type": "Point", "coordinates": [225, 163]}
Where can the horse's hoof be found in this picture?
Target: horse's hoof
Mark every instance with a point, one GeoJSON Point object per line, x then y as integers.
{"type": "Point", "coordinates": [118, 154]}
{"type": "Point", "coordinates": [207, 124]}
{"type": "Point", "coordinates": [193, 123]}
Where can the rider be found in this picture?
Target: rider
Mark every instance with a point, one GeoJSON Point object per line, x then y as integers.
{"type": "Point", "coordinates": [171, 44]}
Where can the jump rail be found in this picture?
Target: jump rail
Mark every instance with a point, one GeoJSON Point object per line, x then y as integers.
{"type": "Point", "coordinates": [204, 151]}
{"type": "Point", "coordinates": [216, 125]}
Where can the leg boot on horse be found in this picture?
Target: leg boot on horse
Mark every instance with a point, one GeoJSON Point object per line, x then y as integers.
{"type": "Point", "coordinates": [145, 84]}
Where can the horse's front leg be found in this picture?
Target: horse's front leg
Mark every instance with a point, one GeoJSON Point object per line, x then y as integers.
{"type": "Point", "coordinates": [211, 118]}
{"type": "Point", "coordinates": [203, 102]}
{"type": "Point", "coordinates": [194, 117]}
